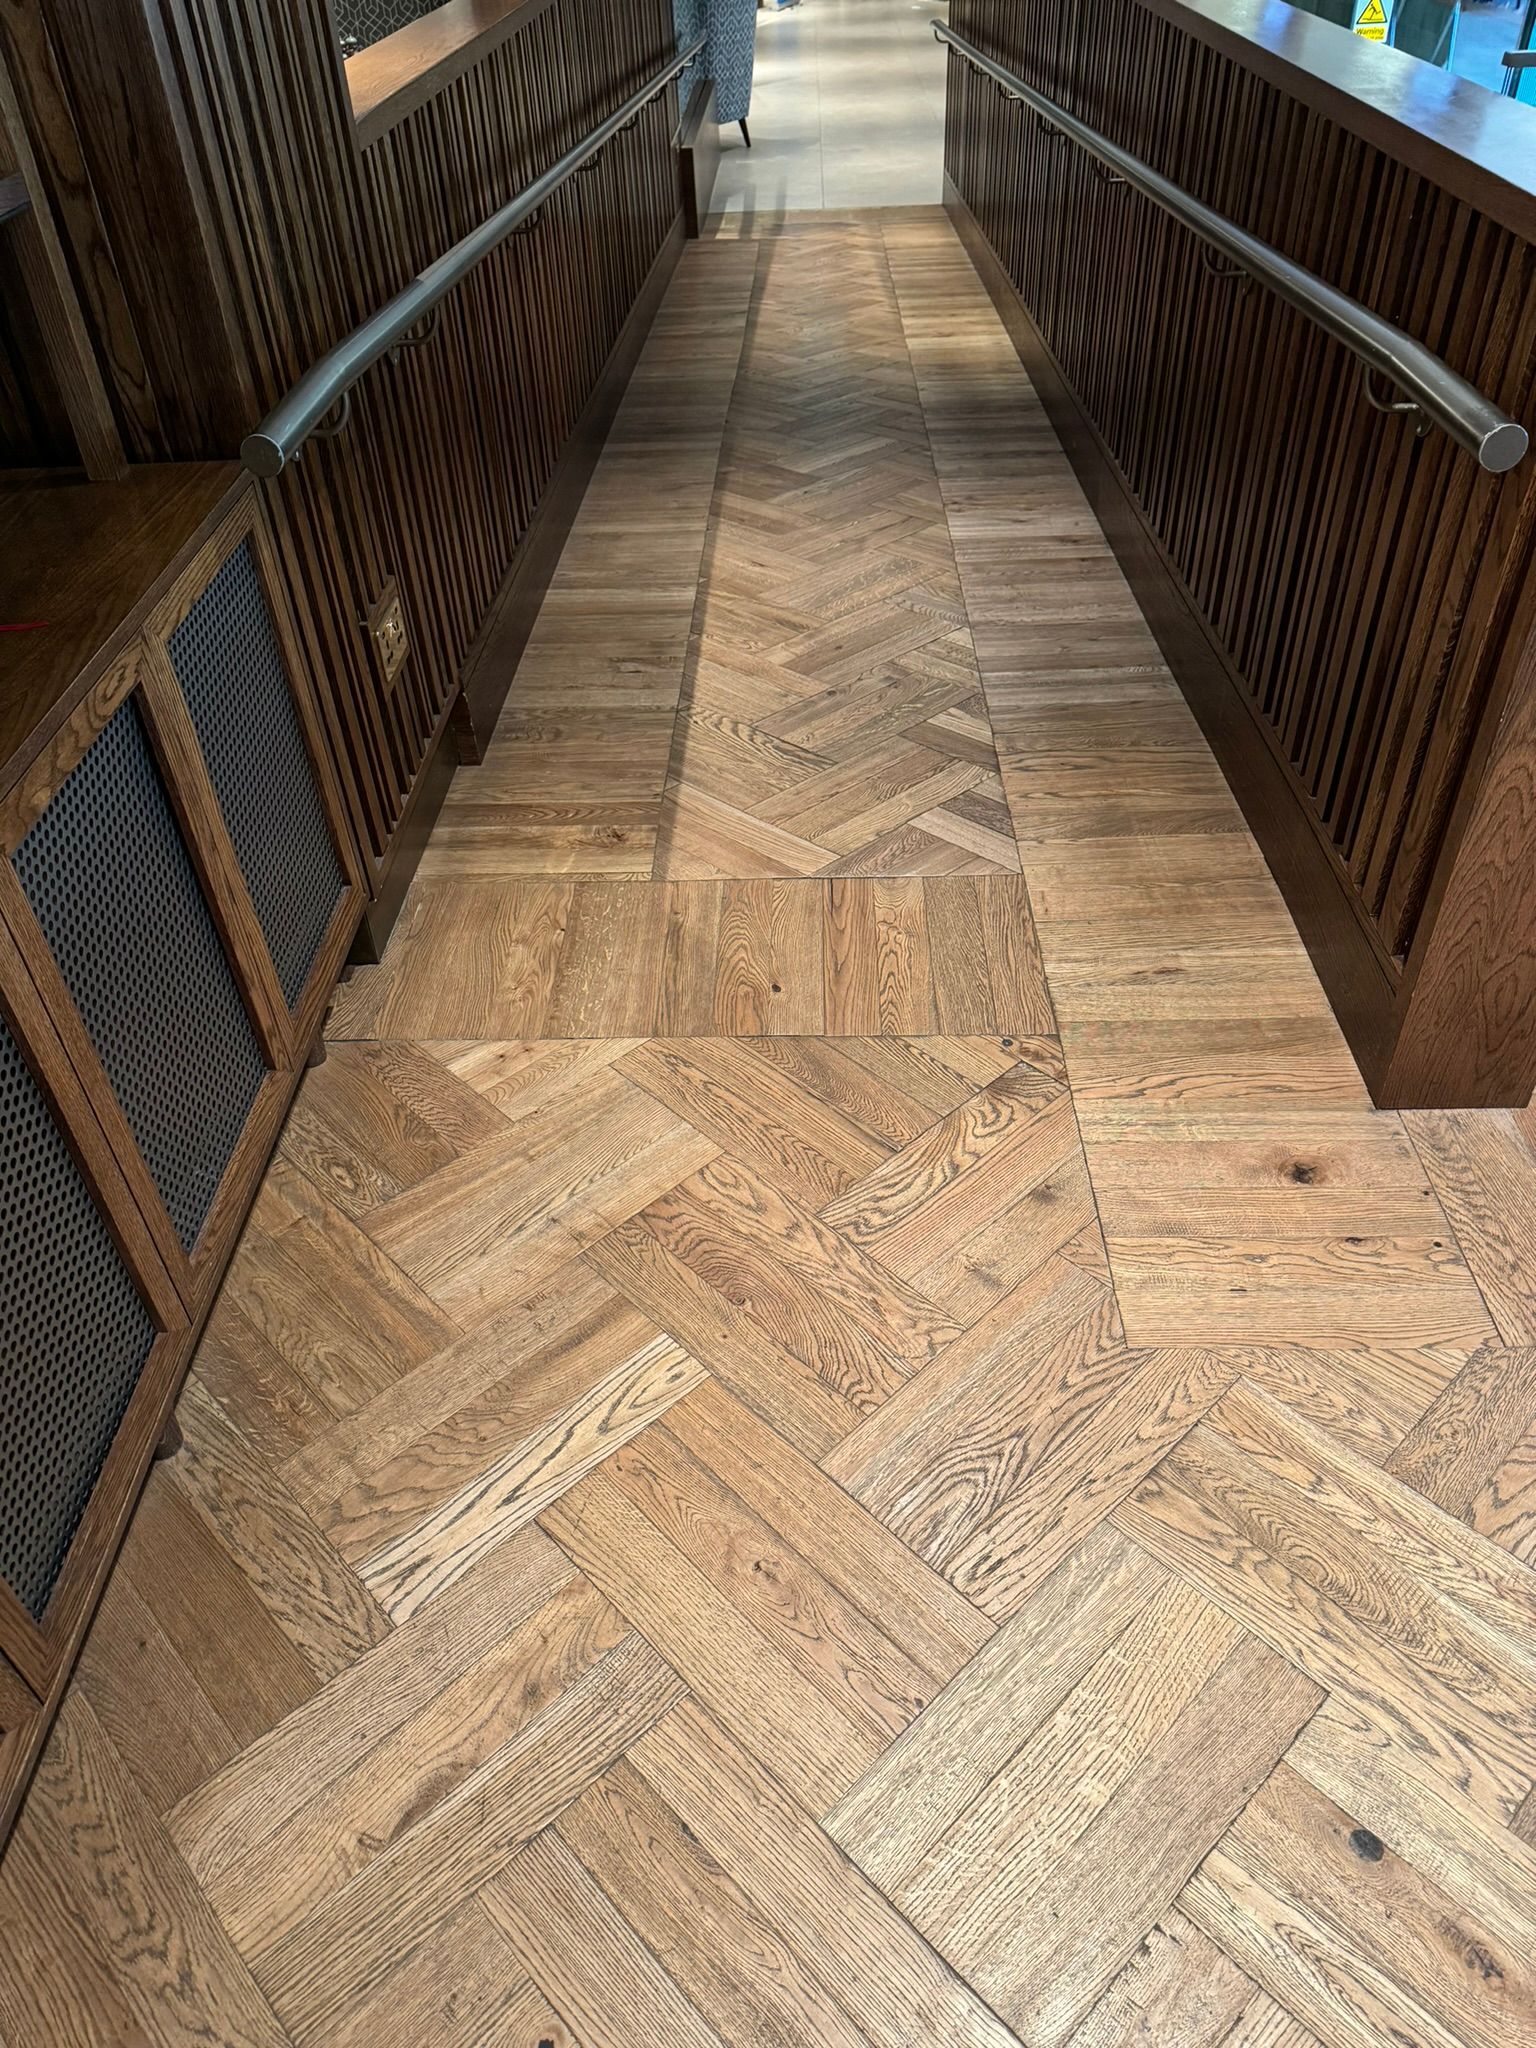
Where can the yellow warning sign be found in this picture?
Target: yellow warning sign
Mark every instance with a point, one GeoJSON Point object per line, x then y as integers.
{"type": "Point", "coordinates": [1371, 21]}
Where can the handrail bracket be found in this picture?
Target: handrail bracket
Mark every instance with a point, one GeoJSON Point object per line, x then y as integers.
{"type": "Point", "coordinates": [321, 401]}
{"type": "Point", "coordinates": [1430, 389]}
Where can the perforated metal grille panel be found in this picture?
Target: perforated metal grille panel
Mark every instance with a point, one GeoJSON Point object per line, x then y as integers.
{"type": "Point", "coordinates": [114, 889]}
{"type": "Point", "coordinates": [227, 659]}
{"type": "Point", "coordinates": [74, 1337]}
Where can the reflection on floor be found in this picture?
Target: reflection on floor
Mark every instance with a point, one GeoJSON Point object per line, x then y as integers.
{"type": "Point", "coordinates": [838, 1424]}
{"type": "Point", "coordinates": [847, 110]}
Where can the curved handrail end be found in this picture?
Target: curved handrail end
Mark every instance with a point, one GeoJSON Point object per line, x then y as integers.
{"type": "Point", "coordinates": [262, 456]}
{"type": "Point", "coordinates": [1503, 447]}
{"type": "Point", "coordinates": [1431, 388]}
{"type": "Point", "coordinates": [327, 383]}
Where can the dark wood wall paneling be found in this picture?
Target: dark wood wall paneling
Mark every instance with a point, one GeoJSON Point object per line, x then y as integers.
{"type": "Point", "coordinates": [1367, 592]}
{"type": "Point", "coordinates": [227, 226]}
{"type": "Point", "coordinates": [219, 222]}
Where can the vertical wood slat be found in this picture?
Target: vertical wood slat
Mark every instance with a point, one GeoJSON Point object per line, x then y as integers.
{"type": "Point", "coordinates": [44, 272]}
{"type": "Point", "coordinates": [1351, 573]}
{"type": "Point", "coordinates": [303, 230]}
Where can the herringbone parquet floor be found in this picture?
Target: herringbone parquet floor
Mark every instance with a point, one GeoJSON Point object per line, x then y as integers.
{"type": "Point", "coordinates": [833, 721]}
{"type": "Point", "coordinates": [816, 1439]}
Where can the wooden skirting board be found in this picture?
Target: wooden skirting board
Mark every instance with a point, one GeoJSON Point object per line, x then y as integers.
{"type": "Point", "coordinates": [698, 154]}
{"type": "Point", "coordinates": [1347, 962]}
{"type": "Point", "coordinates": [492, 661]}
{"type": "Point", "coordinates": [1398, 1018]}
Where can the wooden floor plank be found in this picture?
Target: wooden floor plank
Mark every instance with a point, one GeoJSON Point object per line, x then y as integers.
{"type": "Point", "coordinates": [259, 1791]}
{"type": "Point", "coordinates": [734, 1654]}
{"type": "Point", "coordinates": [748, 1107]}
{"type": "Point", "coordinates": [939, 1458]}
{"type": "Point", "coordinates": [1358, 1942]}
{"type": "Point", "coordinates": [249, 1669]}
{"type": "Point", "coordinates": [156, 1964]}
{"type": "Point", "coordinates": [416, 1564]}
{"type": "Point", "coordinates": [1347, 1756]}
{"type": "Point", "coordinates": [823, 1298]}
{"type": "Point", "coordinates": [807, 1409]}
{"type": "Point", "coordinates": [581, 1951]}
{"type": "Point", "coordinates": [170, 1735]}
{"type": "Point", "coordinates": [935, 1194]}
{"type": "Point", "coordinates": [939, 1630]}
{"type": "Point", "coordinates": [333, 1837]}
{"type": "Point", "coordinates": [563, 1332]}
{"type": "Point", "coordinates": [925, 1782]}
{"type": "Point", "coordinates": [508, 1213]}
{"type": "Point", "coordinates": [345, 1948]}
{"type": "Point", "coordinates": [878, 1969]}
{"type": "Point", "coordinates": [1482, 1166]}
{"type": "Point", "coordinates": [314, 1596]}
{"type": "Point", "coordinates": [1435, 1660]}
{"type": "Point", "coordinates": [836, 1422]}
{"type": "Point", "coordinates": [1180, 1987]}
{"type": "Point", "coordinates": [1046, 1885]}
{"type": "Point", "coordinates": [714, 1942]}
{"type": "Point", "coordinates": [1473, 1450]}
{"type": "Point", "coordinates": [465, 1987]}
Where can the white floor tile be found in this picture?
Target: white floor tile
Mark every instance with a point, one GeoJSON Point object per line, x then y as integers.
{"type": "Point", "coordinates": [847, 111]}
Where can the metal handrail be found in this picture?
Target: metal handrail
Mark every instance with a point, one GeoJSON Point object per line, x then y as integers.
{"type": "Point", "coordinates": [1434, 390]}
{"type": "Point", "coordinates": [326, 386]}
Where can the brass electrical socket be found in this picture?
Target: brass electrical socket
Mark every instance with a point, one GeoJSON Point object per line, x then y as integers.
{"type": "Point", "coordinates": [386, 630]}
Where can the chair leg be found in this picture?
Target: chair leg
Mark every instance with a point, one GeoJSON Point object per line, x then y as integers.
{"type": "Point", "coordinates": [746, 138]}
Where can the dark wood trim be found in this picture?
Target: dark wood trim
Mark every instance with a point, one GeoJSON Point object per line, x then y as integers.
{"type": "Point", "coordinates": [398, 868]}
{"type": "Point", "coordinates": [87, 561]}
{"type": "Point", "coordinates": [698, 156]}
{"type": "Point", "coordinates": [1360, 982]}
{"type": "Point", "coordinates": [22, 1724]}
{"type": "Point", "coordinates": [44, 773]}
{"type": "Point", "coordinates": [393, 77]}
{"type": "Point", "coordinates": [27, 935]}
{"type": "Point", "coordinates": [47, 1053]}
{"type": "Point", "coordinates": [492, 661]}
{"type": "Point", "coordinates": [1468, 1010]}
{"type": "Point", "coordinates": [56, 308]}
{"type": "Point", "coordinates": [1470, 141]}
{"type": "Point", "coordinates": [174, 740]}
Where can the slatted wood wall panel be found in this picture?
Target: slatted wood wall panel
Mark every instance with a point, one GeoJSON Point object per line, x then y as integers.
{"type": "Point", "coordinates": [450, 449]}
{"type": "Point", "coordinates": [1359, 580]}
{"type": "Point", "coordinates": [226, 228]}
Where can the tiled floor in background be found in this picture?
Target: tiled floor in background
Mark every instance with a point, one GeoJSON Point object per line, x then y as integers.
{"type": "Point", "coordinates": [847, 110]}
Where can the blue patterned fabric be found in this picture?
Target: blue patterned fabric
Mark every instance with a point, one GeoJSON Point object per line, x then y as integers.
{"type": "Point", "coordinates": [731, 26]}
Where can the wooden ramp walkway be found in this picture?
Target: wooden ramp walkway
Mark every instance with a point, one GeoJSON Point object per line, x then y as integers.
{"type": "Point", "coordinates": [838, 1427]}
